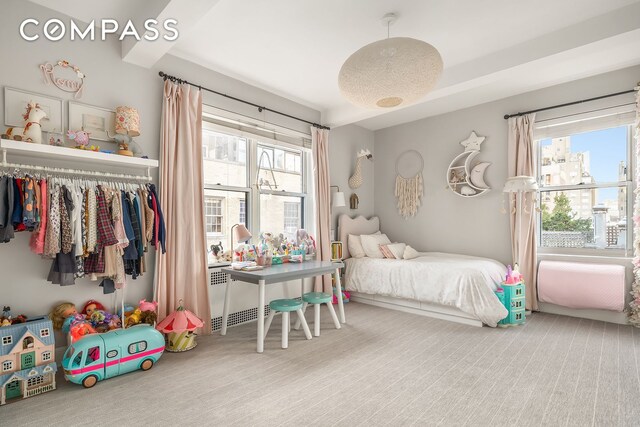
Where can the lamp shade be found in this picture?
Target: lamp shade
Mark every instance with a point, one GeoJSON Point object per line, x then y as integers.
{"type": "Point", "coordinates": [241, 234]}
{"type": "Point", "coordinates": [127, 121]}
{"type": "Point", "coordinates": [389, 73]}
{"type": "Point", "coordinates": [520, 183]}
{"type": "Point", "coordinates": [338, 200]}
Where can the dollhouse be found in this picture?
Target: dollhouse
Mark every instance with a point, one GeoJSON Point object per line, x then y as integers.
{"type": "Point", "coordinates": [27, 365]}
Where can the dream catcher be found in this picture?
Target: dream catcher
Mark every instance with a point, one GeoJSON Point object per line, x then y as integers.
{"type": "Point", "coordinates": [409, 188]}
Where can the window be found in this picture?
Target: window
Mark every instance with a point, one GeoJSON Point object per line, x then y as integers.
{"type": "Point", "coordinates": [7, 365]}
{"type": "Point", "coordinates": [44, 332]}
{"type": "Point", "coordinates": [7, 340]}
{"type": "Point", "coordinates": [584, 183]}
{"type": "Point", "coordinates": [46, 356]}
{"type": "Point", "coordinates": [225, 159]}
{"type": "Point", "coordinates": [77, 360]}
{"type": "Point", "coordinates": [274, 208]}
{"type": "Point", "coordinates": [27, 343]}
{"type": "Point", "coordinates": [137, 347]}
{"type": "Point", "coordinates": [112, 353]}
{"type": "Point", "coordinates": [213, 215]}
{"type": "Point", "coordinates": [266, 191]}
{"type": "Point", "coordinates": [242, 215]}
{"type": "Point", "coordinates": [291, 217]}
{"type": "Point", "coordinates": [35, 381]}
{"type": "Point", "coordinates": [93, 354]}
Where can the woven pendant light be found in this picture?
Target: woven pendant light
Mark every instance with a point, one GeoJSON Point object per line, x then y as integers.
{"type": "Point", "coordinates": [391, 72]}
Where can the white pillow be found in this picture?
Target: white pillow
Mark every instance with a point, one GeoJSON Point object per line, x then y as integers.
{"type": "Point", "coordinates": [410, 253]}
{"type": "Point", "coordinates": [371, 244]}
{"type": "Point", "coordinates": [355, 245]}
{"type": "Point", "coordinates": [397, 249]}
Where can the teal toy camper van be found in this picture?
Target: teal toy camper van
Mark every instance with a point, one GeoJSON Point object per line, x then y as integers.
{"type": "Point", "coordinates": [100, 356]}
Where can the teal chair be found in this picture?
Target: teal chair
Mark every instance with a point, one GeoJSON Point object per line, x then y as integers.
{"type": "Point", "coordinates": [286, 306]}
{"type": "Point", "coordinates": [317, 299]}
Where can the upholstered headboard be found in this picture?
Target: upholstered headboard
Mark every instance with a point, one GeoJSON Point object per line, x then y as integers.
{"type": "Point", "coordinates": [358, 225]}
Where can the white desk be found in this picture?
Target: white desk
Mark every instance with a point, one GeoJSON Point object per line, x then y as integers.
{"type": "Point", "coordinates": [278, 274]}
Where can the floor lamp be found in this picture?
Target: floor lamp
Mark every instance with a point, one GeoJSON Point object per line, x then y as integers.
{"type": "Point", "coordinates": [520, 185]}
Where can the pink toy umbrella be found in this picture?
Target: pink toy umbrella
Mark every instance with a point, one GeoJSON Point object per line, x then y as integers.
{"type": "Point", "coordinates": [179, 321]}
{"type": "Point", "coordinates": [179, 326]}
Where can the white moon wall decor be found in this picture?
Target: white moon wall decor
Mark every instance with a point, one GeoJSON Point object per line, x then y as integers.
{"type": "Point", "coordinates": [464, 179]}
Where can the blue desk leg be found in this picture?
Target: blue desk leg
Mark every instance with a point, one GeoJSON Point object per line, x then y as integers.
{"type": "Point", "coordinates": [340, 302]}
{"type": "Point", "coordinates": [260, 344]}
{"type": "Point", "coordinates": [225, 309]}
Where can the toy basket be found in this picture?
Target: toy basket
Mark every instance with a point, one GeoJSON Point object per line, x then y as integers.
{"type": "Point", "coordinates": [181, 341]}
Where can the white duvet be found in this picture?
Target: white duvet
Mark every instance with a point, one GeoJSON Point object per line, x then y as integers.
{"type": "Point", "coordinates": [461, 281]}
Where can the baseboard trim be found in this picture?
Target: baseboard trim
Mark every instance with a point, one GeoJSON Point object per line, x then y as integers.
{"type": "Point", "coordinates": [585, 313]}
{"type": "Point", "coordinates": [444, 313]}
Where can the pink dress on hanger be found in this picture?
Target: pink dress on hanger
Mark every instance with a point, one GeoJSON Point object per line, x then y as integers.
{"type": "Point", "coordinates": [37, 238]}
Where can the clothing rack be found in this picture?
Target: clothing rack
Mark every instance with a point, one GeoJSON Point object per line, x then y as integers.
{"type": "Point", "coordinates": [259, 107]}
{"type": "Point", "coordinates": [78, 172]}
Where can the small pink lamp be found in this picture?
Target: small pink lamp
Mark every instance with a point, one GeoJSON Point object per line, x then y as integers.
{"type": "Point", "coordinates": [240, 233]}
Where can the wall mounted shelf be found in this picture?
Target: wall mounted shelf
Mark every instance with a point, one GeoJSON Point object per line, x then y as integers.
{"type": "Point", "coordinates": [66, 154]}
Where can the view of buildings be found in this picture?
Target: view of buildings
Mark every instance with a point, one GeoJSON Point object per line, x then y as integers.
{"type": "Point", "coordinates": [225, 160]}
{"type": "Point", "coordinates": [598, 215]}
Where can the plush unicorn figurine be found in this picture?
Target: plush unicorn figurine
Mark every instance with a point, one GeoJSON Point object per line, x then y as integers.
{"type": "Point", "coordinates": [32, 130]}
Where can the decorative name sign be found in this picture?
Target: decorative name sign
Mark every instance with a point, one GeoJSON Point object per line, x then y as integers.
{"type": "Point", "coordinates": [53, 73]}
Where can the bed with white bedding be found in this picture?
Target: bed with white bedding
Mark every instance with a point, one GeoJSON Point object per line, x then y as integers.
{"type": "Point", "coordinates": [454, 287]}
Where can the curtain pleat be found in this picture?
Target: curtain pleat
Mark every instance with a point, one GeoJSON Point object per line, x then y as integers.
{"type": "Point", "coordinates": [522, 162]}
{"type": "Point", "coordinates": [320, 146]}
{"type": "Point", "coordinates": [181, 274]}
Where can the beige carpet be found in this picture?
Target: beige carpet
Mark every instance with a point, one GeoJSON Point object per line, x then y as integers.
{"type": "Point", "coordinates": [383, 367]}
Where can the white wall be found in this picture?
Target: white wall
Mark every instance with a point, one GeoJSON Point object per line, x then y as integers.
{"type": "Point", "coordinates": [110, 82]}
{"type": "Point", "coordinates": [344, 143]}
{"type": "Point", "coordinates": [447, 222]}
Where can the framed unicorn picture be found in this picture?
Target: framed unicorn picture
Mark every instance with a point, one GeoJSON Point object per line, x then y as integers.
{"type": "Point", "coordinates": [15, 105]}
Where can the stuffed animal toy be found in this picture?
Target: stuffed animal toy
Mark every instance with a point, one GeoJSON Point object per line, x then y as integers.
{"type": "Point", "coordinates": [80, 330]}
{"type": "Point", "coordinates": [217, 249]}
{"type": "Point", "coordinates": [134, 318]}
{"type": "Point", "coordinates": [80, 137]}
{"type": "Point", "coordinates": [304, 240]}
{"type": "Point", "coordinates": [145, 305]}
{"type": "Point", "coordinates": [277, 242]}
{"type": "Point", "coordinates": [149, 317]}
{"type": "Point", "coordinates": [32, 130]}
{"type": "Point", "coordinates": [226, 256]}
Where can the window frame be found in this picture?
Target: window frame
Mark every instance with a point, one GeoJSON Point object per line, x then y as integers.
{"type": "Point", "coordinates": [221, 215]}
{"type": "Point", "coordinates": [7, 365]}
{"type": "Point", "coordinates": [252, 193]}
{"type": "Point", "coordinates": [628, 184]}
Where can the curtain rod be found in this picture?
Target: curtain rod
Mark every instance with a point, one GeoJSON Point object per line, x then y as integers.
{"type": "Point", "coordinates": [568, 104]}
{"type": "Point", "coordinates": [259, 107]}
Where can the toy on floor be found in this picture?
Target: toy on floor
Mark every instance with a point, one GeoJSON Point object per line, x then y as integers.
{"type": "Point", "coordinates": [7, 319]}
{"type": "Point", "coordinates": [92, 305]}
{"type": "Point", "coordinates": [27, 351]}
{"type": "Point", "coordinates": [102, 356]}
{"type": "Point", "coordinates": [345, 296]}
{"type": "Point", "coordinates": [179, 327]}
{"type": "Point", "coordinates": [513, 298]}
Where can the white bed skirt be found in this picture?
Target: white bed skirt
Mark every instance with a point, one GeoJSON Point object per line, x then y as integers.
{"type": "Point", "coordinates": [437, 311]}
